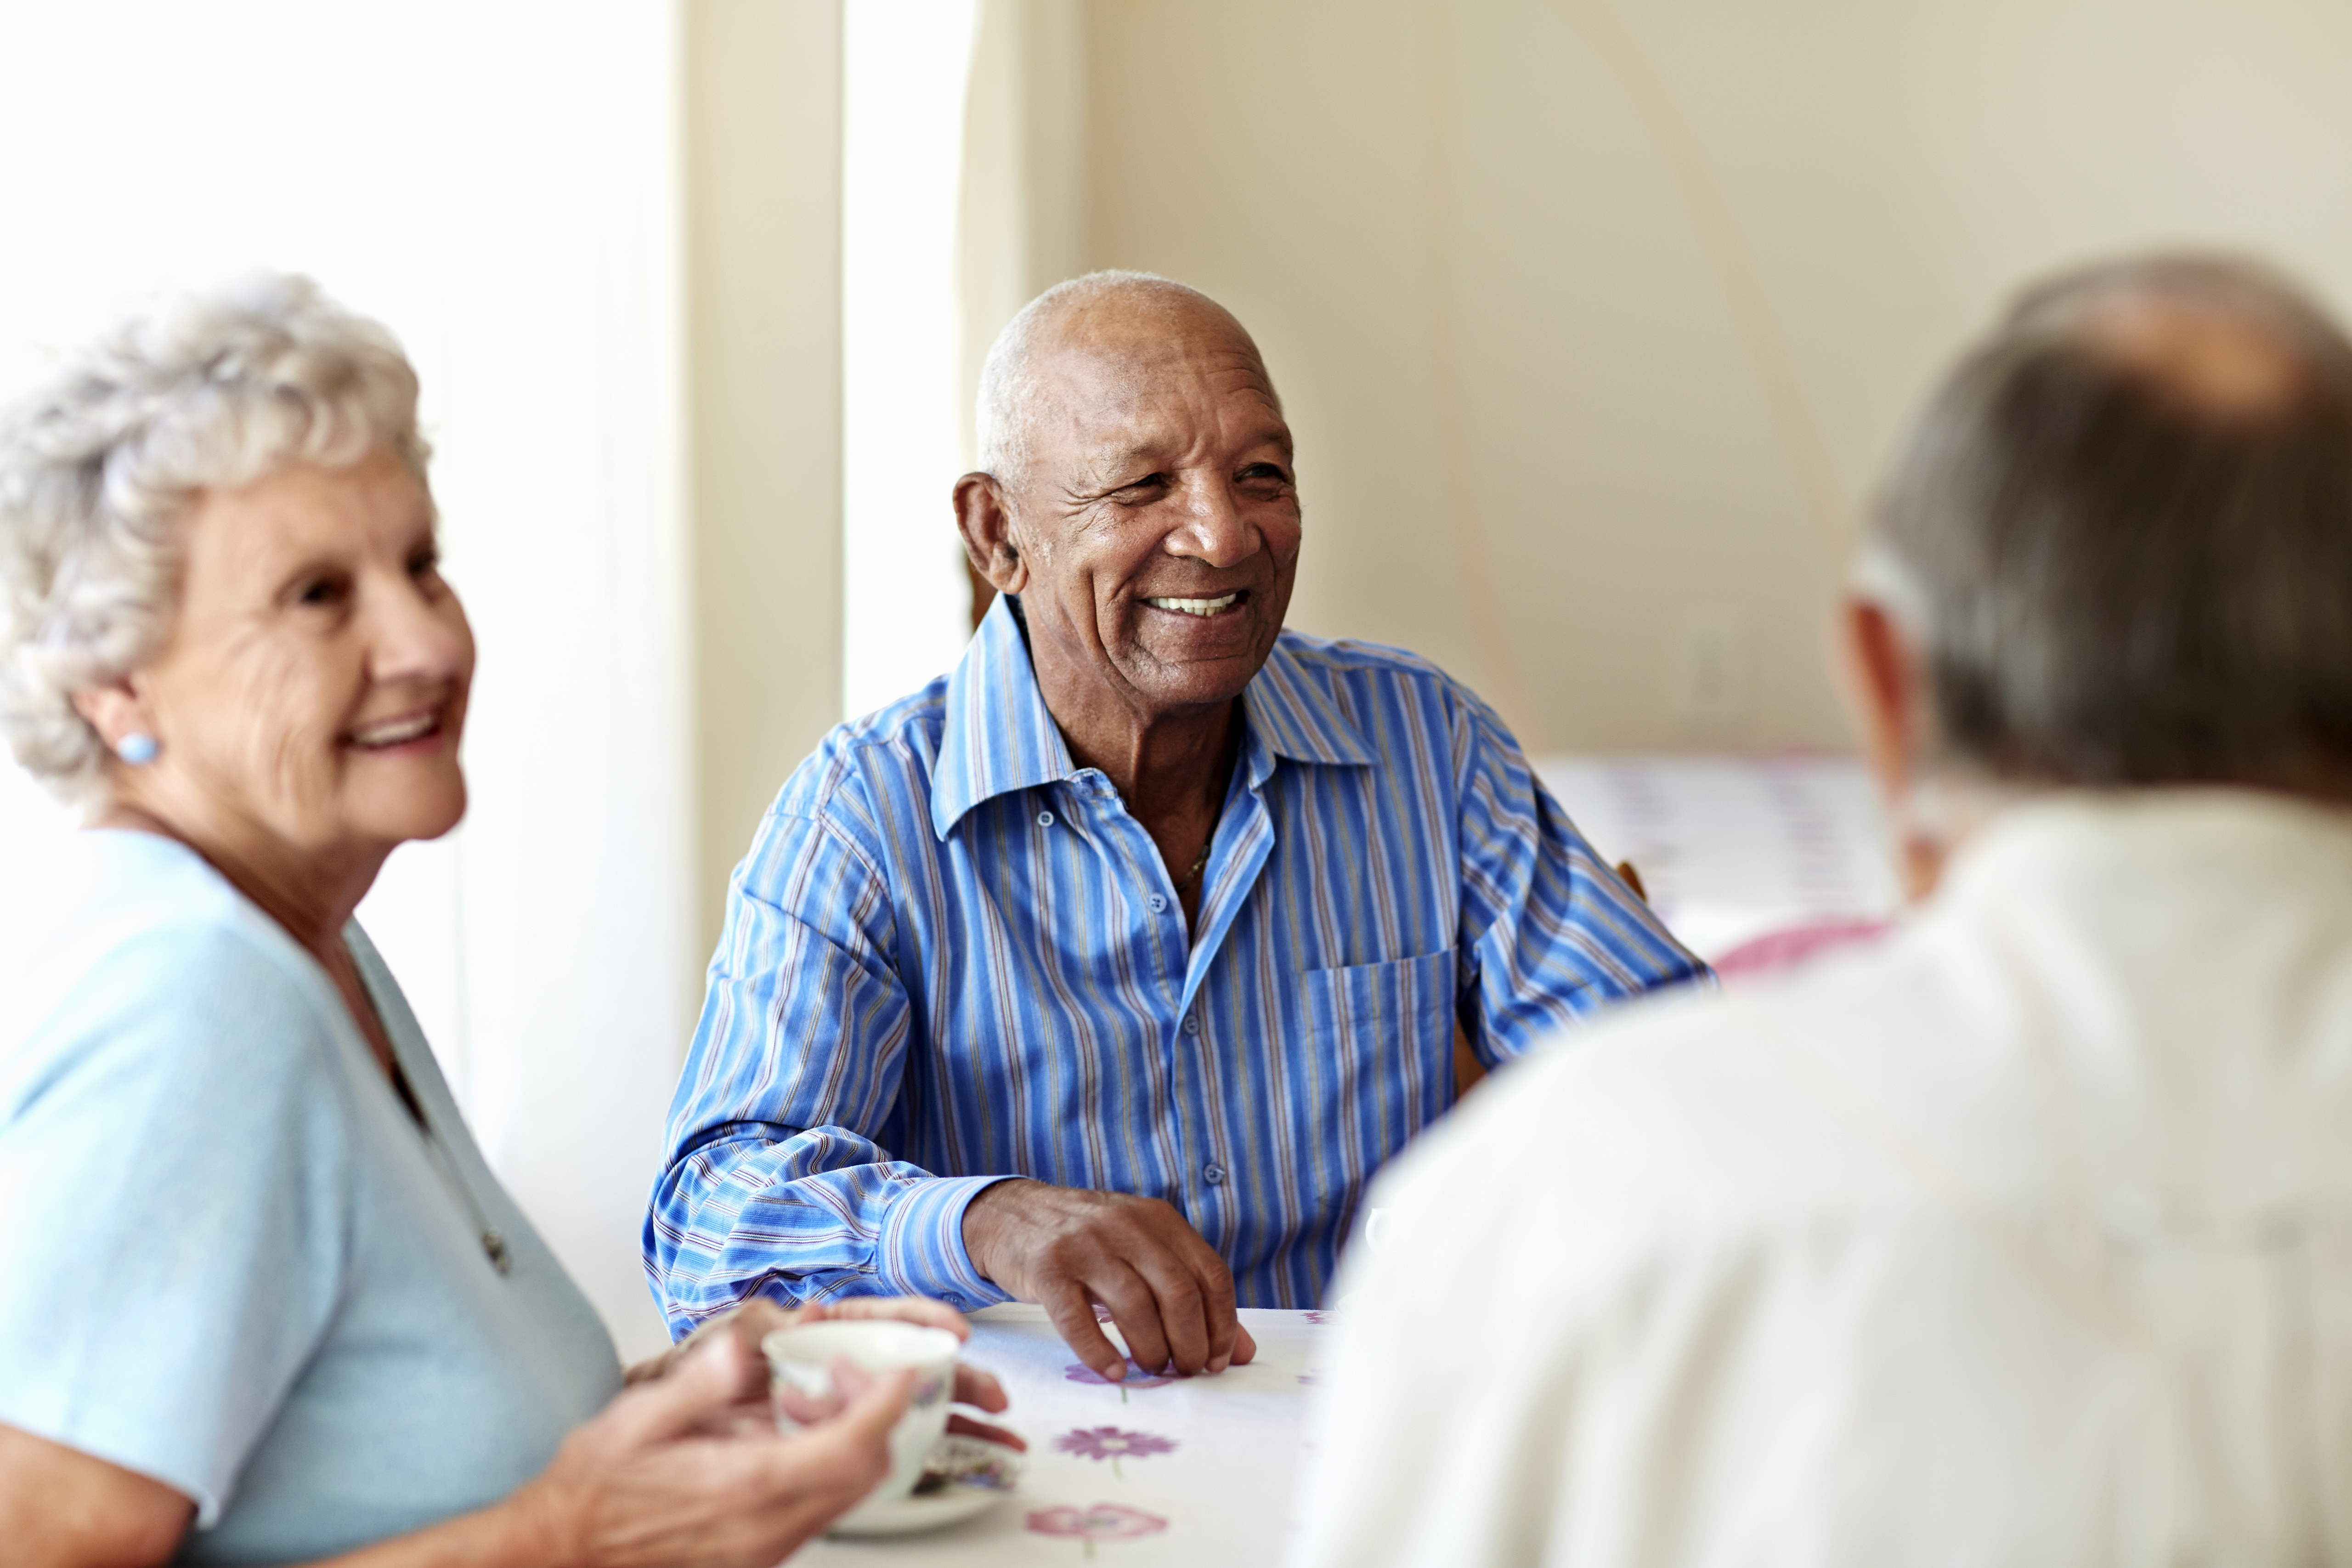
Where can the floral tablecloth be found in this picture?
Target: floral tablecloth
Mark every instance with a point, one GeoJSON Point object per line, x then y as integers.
{"type": "Point", "coordinates": [1162, 1470]}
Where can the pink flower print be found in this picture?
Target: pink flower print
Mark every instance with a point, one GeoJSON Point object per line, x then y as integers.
{"type": "Point", "coordinates": [1102, 1313]}
{"type": "Point", "coordinates": [1308, 1378]}
{"type": "Point", "coordinates": [1111, 1443]}
{"type": "Point", "coordinates": [1078, 1372]}
{"type": "Point", "coordinates": [1319, 1317]}
{"type": "Point", "coordinates": [1103, 1522]}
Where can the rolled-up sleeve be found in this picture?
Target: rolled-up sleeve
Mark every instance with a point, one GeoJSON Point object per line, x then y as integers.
{"type": "Point", "coordinates": [1548, 931]}
{"type": "Point", "coordinates": [777, 1181]}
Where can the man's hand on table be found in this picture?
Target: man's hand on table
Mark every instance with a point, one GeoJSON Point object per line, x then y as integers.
{"type": "Point", "coordinates": [1065, 1248]}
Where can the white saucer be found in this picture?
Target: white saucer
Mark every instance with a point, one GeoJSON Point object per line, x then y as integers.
{"type": "Point", "coordinates": [995, 1468]}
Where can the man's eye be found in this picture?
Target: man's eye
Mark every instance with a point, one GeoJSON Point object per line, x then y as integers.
{"type": "Point", "coordinates": [1266, 473]}
{"type": "Point", "coordinates": [320, 591]}
{"type": "Point", "coordinates": [424, 564]}
{"type": "Point", "coordinates": [1137, 487]}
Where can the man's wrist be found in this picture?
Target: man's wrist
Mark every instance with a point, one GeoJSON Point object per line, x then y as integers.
{"type": "Point", "coordinates": [983, 1224]}
{"type": "Point", "coordinates": [921, 1249]}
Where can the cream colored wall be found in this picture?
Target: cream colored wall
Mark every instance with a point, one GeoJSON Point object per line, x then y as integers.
{"type": "Point", "coordinates": [1021, 216]}
{"type": "Point", "coordinates": [1596, 323]}
{"type": "Point", "coordinates": [764, 243]}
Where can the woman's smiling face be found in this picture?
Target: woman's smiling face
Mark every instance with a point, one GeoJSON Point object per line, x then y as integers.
{"type": "Point", "coordinates": [313, 690]}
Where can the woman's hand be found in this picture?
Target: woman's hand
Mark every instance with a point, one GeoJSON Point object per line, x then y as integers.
{"type": "Point", "coordinates": [755, 1320]}
{"type": "Point", "coordinates": [649, 1481]}
{"type": "Point", "coordinates": [652, 1482]}
{"type": "Point", "coordinates": [684, 1469]}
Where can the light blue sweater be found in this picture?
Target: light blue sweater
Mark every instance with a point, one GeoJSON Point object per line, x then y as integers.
{"type": "Point", "coordinates": [230, 1258]}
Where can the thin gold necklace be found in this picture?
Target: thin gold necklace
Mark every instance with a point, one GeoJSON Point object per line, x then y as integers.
{"type": "Point", "coordinates": [1201, 861]}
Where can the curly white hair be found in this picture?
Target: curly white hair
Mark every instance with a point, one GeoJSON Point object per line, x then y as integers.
{"type": "Point", "coordinates": [214, 389]}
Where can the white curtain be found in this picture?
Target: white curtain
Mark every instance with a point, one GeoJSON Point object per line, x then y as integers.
{"type": "Point", "coordinates": [499, 183]}
{"type": "Point", "coordinates": [905, 68]}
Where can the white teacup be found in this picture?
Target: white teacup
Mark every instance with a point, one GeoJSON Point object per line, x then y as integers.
{"type": "Point", "coordinates": [800, 1374]}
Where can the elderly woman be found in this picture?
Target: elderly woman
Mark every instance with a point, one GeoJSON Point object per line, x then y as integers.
{"type": "Point", "coordinates": [262, 1299]}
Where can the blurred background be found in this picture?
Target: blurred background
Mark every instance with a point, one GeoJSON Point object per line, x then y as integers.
{"type": "Point", "coordinates": [1595, 320]}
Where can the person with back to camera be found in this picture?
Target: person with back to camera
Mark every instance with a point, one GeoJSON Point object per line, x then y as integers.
{"type": "Point", "coordinates": [261, 1299]}
{"type": "Point", "coordinates": [2024, 1237]}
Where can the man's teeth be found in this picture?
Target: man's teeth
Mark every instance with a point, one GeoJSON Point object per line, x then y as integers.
{"type": "Point", "coordinates": [1194, 607]}
{"type": "Point", "coordinates": [393, 731]}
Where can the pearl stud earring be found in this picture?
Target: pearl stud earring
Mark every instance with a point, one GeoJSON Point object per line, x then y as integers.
{"type": "Point", "coordinates": [137, 749]}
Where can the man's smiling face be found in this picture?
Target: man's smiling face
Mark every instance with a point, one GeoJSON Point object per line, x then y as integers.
{"type": "Point", "coordinates": [1157, 516]}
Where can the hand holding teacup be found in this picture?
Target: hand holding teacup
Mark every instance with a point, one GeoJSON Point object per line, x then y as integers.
{"type": "Point", "coordinates": [753, 1406]}
{"type": "Point", "coordinates": [752, 1324]}
{"type": "Point", "coordinates": [820, 1369]}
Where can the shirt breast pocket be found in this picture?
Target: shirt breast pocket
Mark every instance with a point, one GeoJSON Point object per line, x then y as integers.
{"type": "Point", "coordinates": [1385, 1034]}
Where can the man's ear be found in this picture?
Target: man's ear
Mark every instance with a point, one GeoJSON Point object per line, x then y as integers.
{"type": "Point", "coordinates": [1886, 684]}
{"type": "Point", "coordinates": [986, 524]}
{"type": "Point", "coordinates": [1881, 677]}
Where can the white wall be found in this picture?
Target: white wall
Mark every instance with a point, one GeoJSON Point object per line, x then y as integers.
{"type": "Point", "coordinates": [499, 183]}
{"type": "Point", "coordinates": [763, 233]}
{"type": "Point", "coordinates": [1596, 318]}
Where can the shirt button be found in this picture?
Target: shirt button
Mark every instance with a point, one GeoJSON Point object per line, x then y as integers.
{"type": "Point", "coordinates": [1191, 1023]}
{"type": "Point", "coordinates": [955, 1301]}
{"type": "Point", "coordinates": [1158, 903]}
{"type": "Point", "coordinates": [1213, 1174]}
{"type": "Point", "coordinates": [1044, 819]}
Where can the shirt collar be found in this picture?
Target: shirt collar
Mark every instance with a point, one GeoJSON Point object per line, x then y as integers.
{"type": "Point", "coordinates": [1297, 715]}
{"type": "Point", "coordinates": [999, 736]}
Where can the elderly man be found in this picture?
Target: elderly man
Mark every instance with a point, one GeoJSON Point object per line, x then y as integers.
{"type": "Point", "coordinates": [2024, 1237]}
{"type": "Point", "coordinates": [1106, 970]}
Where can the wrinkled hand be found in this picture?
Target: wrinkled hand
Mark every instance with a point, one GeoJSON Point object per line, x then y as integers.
{"type": "Point", "coordinates": [758, 1318]}
{"type": "Point", "coordinates": [1065, 1248]}
{"type": "Point", "coordinates": [647, 1482]}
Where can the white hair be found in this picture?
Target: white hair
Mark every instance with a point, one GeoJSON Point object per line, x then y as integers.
{"type": "Point", "coordinates": [1010, 385]}
{"type": "Point", "coordinates": [214, 389]}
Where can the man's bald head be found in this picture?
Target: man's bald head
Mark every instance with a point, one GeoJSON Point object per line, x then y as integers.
{"type": "Point", "coordinates": [2218, 337]}
{"type": "Point", "coordinates": [2122, 536]}
{"type": "Point", "coordinates": [1115, 319]}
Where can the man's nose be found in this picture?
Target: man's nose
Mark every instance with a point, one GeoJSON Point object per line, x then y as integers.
{"type": "Point", "coordinates": [1215, 530]}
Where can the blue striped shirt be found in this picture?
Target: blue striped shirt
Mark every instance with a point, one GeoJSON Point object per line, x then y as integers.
{"type": "Point", "coordinates": [952, 956]}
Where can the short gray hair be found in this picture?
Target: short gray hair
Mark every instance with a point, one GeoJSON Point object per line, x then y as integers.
{"type": "Point", "coordinates": [214, 389]}
{"type": "Point", "coordinates": [2122, 536]}
{"type": "Point", "coordinates": [1010, 385]}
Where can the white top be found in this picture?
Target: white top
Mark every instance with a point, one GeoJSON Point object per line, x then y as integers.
{"type": "Point", "coordinates": [231, 1260]}
{"type": "Point", "coordinates": [2025, 1237]}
